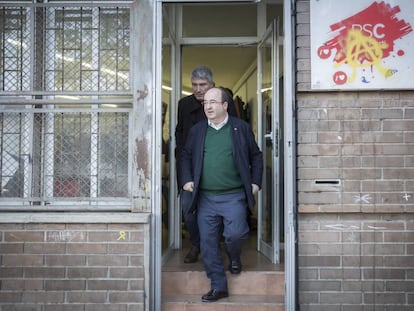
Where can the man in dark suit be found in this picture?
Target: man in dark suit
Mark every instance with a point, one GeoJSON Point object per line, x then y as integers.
{"type": "Point", "coordinates": [190, 111]}
{"type": "Point", "coordinates": [221, 166]}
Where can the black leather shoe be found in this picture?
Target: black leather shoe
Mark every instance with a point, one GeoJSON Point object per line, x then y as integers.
{"type": "Point", "coordinates": [192, 255]}
{"type": "Point", "coordinates": [235, 267]}
{"type": "Point", "coordinates": [214, 295]}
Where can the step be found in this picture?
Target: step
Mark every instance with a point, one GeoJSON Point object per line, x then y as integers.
{"type": "Point", "coordinates": [185, 302]}
{"type": "Point", "coordinates": [245, 283]}
{"type": "Point", "coordinates": [259, 287]}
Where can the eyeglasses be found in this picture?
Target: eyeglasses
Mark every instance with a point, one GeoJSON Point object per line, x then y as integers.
{"type": "Point", "coordinates": [211, 102]}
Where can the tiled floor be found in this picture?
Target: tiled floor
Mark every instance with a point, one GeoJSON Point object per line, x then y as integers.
{"type": "Point", "coordinates": [251, 259]}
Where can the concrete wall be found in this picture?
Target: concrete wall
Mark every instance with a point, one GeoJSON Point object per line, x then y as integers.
{"type": "Point", "coordinates": [356, 235]}
{"type": "Point", "coordinates": [51, 262]}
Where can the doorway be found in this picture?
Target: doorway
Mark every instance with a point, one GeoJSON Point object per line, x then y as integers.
{"type": "Point", "coordinates": [229, 38]}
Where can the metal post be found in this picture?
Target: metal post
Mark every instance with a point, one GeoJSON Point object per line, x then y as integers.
{"type": "Point", "coordinates": [290, 157]}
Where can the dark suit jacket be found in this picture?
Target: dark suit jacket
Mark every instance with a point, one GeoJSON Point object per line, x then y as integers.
{"type": "Point", "coordinates": [246, 154]}
{"type": "Point", "coordinates": [190, 111]}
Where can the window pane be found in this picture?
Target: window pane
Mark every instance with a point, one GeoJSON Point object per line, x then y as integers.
{"type": "Point", "coordinates": [89, 163]}
{"type": "Point", "coordinates": [113, 155]}
{"type": "Point", "coordinates": [54, 150]}
{"type": "Point", "coordinates": [14, 155]}
{"type": "Point", "coordinates": [72, 152]}
{"type": "Point", "coordinates": [14, 49]}
{"type": "Point", "coordinates": [88, 49]}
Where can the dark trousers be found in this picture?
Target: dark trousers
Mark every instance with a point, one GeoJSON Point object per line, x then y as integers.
{"type": "Point", "coordinates": [190, 219]}
{"type": "Point", "coordinates": [218, 214]}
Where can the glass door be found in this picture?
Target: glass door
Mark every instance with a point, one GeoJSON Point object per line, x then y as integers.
{"type": "Point", "coordinates": [171, 64]}
{"type": "Point", "coordinates": [269, 133]}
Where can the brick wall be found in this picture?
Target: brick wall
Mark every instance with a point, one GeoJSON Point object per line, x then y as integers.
{"type": "Point", "coordinates": [355, 166]}
{"type": "Point", "coordinates": [69, 266]}
{"type": "Point", "coordinates": [350, 262]}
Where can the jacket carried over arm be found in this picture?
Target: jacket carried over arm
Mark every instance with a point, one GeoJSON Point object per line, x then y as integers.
{"type": "Point", "coordinates": [247, 157]}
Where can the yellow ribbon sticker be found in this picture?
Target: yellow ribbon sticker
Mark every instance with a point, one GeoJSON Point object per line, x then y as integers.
{"type": "Point", "coordinates": [122, 235]}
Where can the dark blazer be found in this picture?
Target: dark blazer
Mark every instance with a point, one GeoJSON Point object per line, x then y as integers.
{"type": "Point", "coordinates": [190, 111]}
{"type": "Point", "coordinates": [246, 154]}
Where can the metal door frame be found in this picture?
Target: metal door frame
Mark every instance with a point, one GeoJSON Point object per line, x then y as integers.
{"type": "Point", "coordinates": [270, 251]}
{"type": "Point", "coordinates": [289, 155]}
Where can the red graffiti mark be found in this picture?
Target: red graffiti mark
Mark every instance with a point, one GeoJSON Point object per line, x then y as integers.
{"type": "Point", "coordinates": [340, 77]}
{"type": "Point", "coordinates": [324, 52]}
{"type": "Point", "coordinates": [143, 93]}
{"type": "Point", "coordinates": [141, 158]}
{"type": "Point", "coordinates": [378, 23]}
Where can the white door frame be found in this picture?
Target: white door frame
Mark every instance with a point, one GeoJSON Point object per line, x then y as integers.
{"type": "Point", "coordinates": [289, 95]}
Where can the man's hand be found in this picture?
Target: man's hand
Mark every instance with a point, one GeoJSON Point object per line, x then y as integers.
{"type": "Point", "coordinates": [189, 186]}
{"type": "Point", "coordinates": [255, 189]}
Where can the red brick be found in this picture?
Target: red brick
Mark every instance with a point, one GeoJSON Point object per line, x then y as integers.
{"type": "Point", "coordinates": [107, 260]}
{"type": "Point", "coordinates": [44, 272]}
{"type": "Point", "coordinates": [126, 248]}
{"type": "Point", "coordinates": [11, 248]}
{"type": "Point", "coordinates": [126, 297]}
{"type": "Point", "coordinates": [121, 285]}
{"type": "Point", "coordinates": [44, 248]}
{"type": "Point", "coordinates": [23, 236]}
{"type": "Point", "coordinates": [86, 297]}
{"type": "Point", "coordinates": [87, 272]}
{"type": "Point", "coordinates": [87, 248]}
{"type": "Point", "coordinates": [65, 260]}
{"type": "Point", "coordinates": [22, 260]}
{"type": "Point", "coordinates": [22, 285]}
{"type": "Point", "coordinates": [43, 297]}
{"type": "Point", "coordinates": [65, 285]}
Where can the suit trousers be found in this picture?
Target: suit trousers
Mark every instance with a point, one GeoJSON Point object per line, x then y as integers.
{"type": "Point", "coordinates": [190, 219]}
{"type": "Point", "coordinates": [226, 214]}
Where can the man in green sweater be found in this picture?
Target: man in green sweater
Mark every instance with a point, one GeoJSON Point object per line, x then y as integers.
{"type": "Point", "coordinates": [221, 165]}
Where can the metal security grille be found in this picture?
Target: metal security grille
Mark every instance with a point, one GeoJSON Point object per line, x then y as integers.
{"type": "Point", "coordinates": [65, 103]}
{"type": "Point", "coordinates": [66, 48]}
{"type": "Point", "coordinates": [14, 49]}
{"type": "Point", "coordinates": [91, 49]}
{"type": "Point", "coordinates": [81, 154]}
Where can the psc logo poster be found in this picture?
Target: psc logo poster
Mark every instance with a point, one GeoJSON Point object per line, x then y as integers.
{"type": "Point", "coordinates": [362, 44]}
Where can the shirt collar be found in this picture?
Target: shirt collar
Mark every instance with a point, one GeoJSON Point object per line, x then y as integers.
{"type": "Point", "coordinates": [220, 125]}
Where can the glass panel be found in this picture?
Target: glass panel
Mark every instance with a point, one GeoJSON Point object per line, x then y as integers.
{"type": "Point", "coordinates": [166, 157]}
{"type": "Point", "coordinates": [14, 49]}
{"type": "Point", "coordinates": [79, 154]}
{"type": "Point", "coordinates": [266, 93]}
{"type": "Point", "coordinates": [71, 165]}
{"type": "Point", "coordinates": [275, 11]}
{"type": "Point", "coordinates": [76, 172]}
{"type": "Point", "coordinates": [219, 20]}
{"type": "Point", "coordinates": [167, 21]}
{"type": "Point", "coordinates": [15, 159]}
{"type": "Point", "coordinates": [113, 155]}
{"type": "Point", "coordinates": [48, 154]}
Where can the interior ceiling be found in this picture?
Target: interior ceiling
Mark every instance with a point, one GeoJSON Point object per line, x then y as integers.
{"type": "Point", "coordinates": [228, 64]}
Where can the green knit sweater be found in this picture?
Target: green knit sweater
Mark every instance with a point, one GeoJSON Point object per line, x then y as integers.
{"type": "Point", "coordinates": [219, 174]}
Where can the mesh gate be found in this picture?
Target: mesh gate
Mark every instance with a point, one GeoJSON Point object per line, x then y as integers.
{"type": "Point", "coordinates": [65, 101]}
